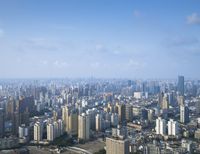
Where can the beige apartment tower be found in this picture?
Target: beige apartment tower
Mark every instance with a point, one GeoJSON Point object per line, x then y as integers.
{"type": "Point", "coordinates": [84, 127]}
{"type": "Point", "coordinates": [117, 146]}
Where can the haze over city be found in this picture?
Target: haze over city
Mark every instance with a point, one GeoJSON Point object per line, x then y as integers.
{"type": "Point", "coordinates": [99, 77]}
{"type": "Point", "coordinates": [99, 38]}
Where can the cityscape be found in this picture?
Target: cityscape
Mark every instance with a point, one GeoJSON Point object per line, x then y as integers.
{"type": "Point", "coordinates": [99, 77]}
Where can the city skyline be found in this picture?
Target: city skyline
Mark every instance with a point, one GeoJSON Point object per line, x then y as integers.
{"type": "Point", "coordinates": [102, 39]}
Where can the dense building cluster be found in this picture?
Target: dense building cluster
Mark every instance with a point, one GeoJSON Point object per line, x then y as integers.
{"type": "Point", "coordinates": [131, 116]}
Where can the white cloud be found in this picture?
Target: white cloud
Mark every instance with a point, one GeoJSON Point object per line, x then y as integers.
{"type": "Point", "coordinates": [60, 64]}
{"type": "Point", "coordinates": [193, 19]}
{"type": "Point", "coordinates": [135, 64]}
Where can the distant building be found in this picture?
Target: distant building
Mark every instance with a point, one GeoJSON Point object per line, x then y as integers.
{"type": "Point", "coordinates": [160, 126]}
{"type": "Point", "coordinates": [165, 102]}
{"type": "Point", "coordinates": [23, 134]}
{"type": "Point", "coordinates": [173, 127]}
{"type": "Point", "coordinates": [38, 131]}
{"type": "Point", "coordinates": [151, 149]}
{"type": "Point", "coordinates": [128, 112]}
{"type": "Point", "coordinates": [50, 132]}
{"type": "Point", "coordinates": [54, 129]}
{"type": "Point", "coordinates": [92, 114]}
{"type": "Point", "coordinates": [116, 146]}
{"type": "Point", "coordinates": [138, 95]}
{"type": "Point", "coordinates": [184, 114]}
{"type": "Point", "coordinates": [114, 119]}
{"type": "Point", "coordinates": [60, 127]}
{"type": "Point", "coordinates": [2, 121]}
{"type": "Point", "coordinates": [181, 100]}
{"type": "Point", "coordinates": [180, 86]}
{"type": "Point", "coordinates": [151, 113]}
{"type": "Point", "coordinates": [121, 112]}
{"type": "Point", "coordinates": [83, 127]}
{"type": "Point", "coordinates": [99, 122]}
{"type": "Point", "coordinates": [70, 119]}
{"type": "Point", "coordinates": [197, 105]}
{"type": "Point", "coordinates": [9, 143]}
{"type": "Point", "coordinates": [197, 134]}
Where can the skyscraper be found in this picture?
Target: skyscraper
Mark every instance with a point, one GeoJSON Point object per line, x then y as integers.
{"type": "Point", "coordinates": [2, 116]}
{"type": "Point", "coordinates": [114, 119]}
{"type": "Point", "coordinates": [60, 127]}
{"type": "Point", "coordinates": [184, 114]}
{"type": "Point", "coordinates": [50, 132]}
{"type": "Point", "coordinates": [129, 112]}
{"type": "Point", "coordinates": [180, 86]}
{"type": "Point", "coordinates": [160, 126]}
{"type": "Point", "coordinates": [99, 122]}
{"type": "Point", "coordinates": [165, 102]}
{"type": "Point", "coordinates": [73, 122]}
{"type": "Point", "coordinates": [180, 100]}
{"type": "Point", "coordinates": [173, 127]}
{"type": "Point", "coordinates": [70, 120]}
{"type": "Point", "coordinates": [83, 127]}
{"type": "Point", "coordinates": [38, 131]}
{"type": "Point", "coordinates": [15, 123]}
{"type": "Point", "coordinates": [121, 112]}
{"type": "Point", "coordinates": [197, 105]}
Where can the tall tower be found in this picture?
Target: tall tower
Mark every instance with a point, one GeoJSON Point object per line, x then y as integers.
{"type": "Point", "coordinates": [50, 132]}
{"type": "Point", "coordinates": [83, 127]}
{"type": "Point", "coordinates": [73, 122]}
{"type": "Point", "coordinates": [99, 122]}
{"type": "Point", "coordinates": [65, 117]}
{"type": "Point", "coordinates": [2, 122]}
{"type": "Point", "coordinates": [38, 131]}
{"type": "Point", "coordinates": [180, 86]}
{"type": "Point", "coordinates": [160, 126]}
{"type": "Point", "coordinates": [181, 100]}
{"type": "Point", "coordinates": [129, 112]}
{"type": "Point", "coordinates": [197, 105]}
{"type": "Point", "coordinates": [165, 102]}
{"type": "Point", "coordinates": [184, 114]}
{"type": "Point", "coordinates": [173, 128]}
{"type": "Point", "coordinates": [15, 123]}
{"type": "Point", "coordinates": [121, 112]}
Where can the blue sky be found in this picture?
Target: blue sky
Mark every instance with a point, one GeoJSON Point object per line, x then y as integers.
{"type": "Point", "coordinates": [99, 38]}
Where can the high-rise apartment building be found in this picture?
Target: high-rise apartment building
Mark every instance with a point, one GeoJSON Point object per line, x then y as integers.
{"type": "Point", "coordinates": [51, 132]}
{"type": "Point", "coordinates": [23, 131]}
{"type": "Point", "coordinates": [121, 112]}
{"type": "Point", "coordinates": [83, 127]}
{"type": "Point", "coordinates": [173, 127]}
{"type": "Point", "coordinates": [184, 114]}
{"type": "Point", "coordinates": [117, 146]}
{"type": "Point", "coordinates": [114, 119]}
{"type": "Point", "coordinates": [73, 123]}
{"type": "Point", "coordinates": [165, 102]}
{"type": "Point", "coordinates": [128, 112]}
{"type": "Point", "coordinates": [38, 131]}
{"type": "Point", "coordinates": [160, 126]}
{"type": "Point", "coordinates": [70, 120]}
{"type": "Point", "coordinates": [181, 100]}
{"type": "Point", "coordinates": [99, 122]}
